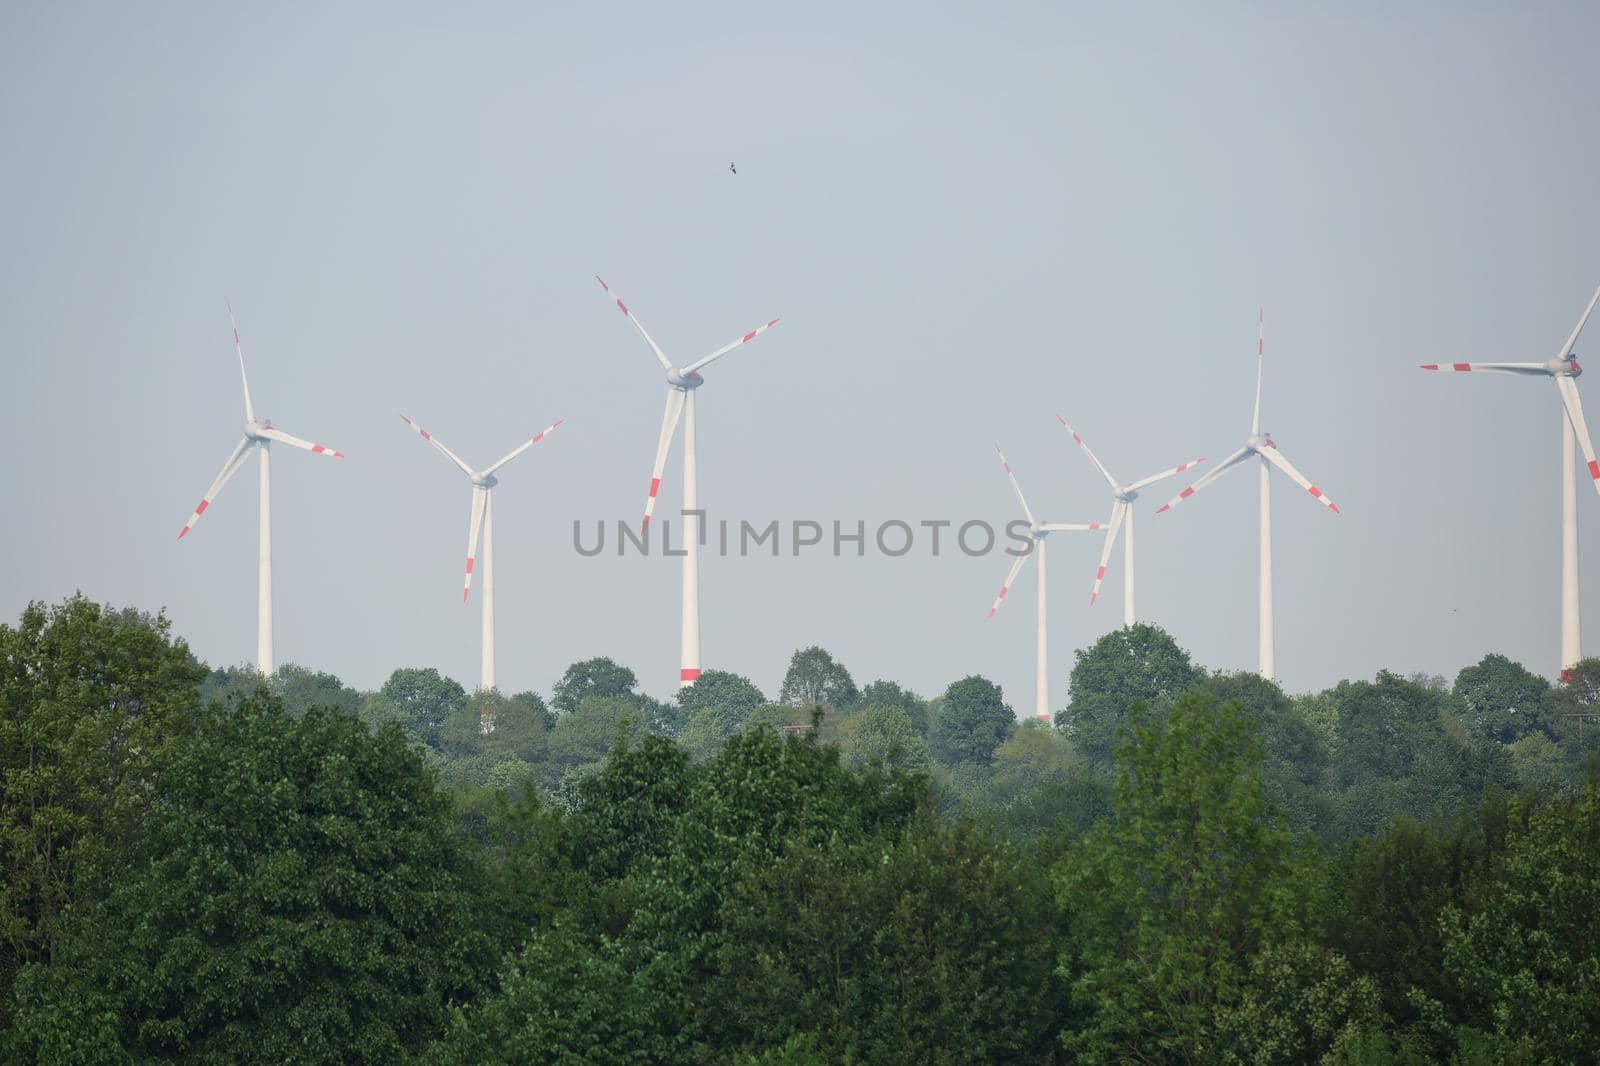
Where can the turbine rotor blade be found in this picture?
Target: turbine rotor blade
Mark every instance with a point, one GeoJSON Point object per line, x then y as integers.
{"type": "Point", "coordinates": [1153, 478]}
{"type": "Point", "coordinates": [1215, 472]}
{"type": "Point", "coordinates": [1016, 488]}
{"type": "Point", "coordinates": [1566, 351]}
{"type": "Point", "coordinates": [229, 468]}
{"type": "Point", "coordinates": [249, 409]}
{"type": "Point", "coordinates": [295, 442]}
{"type": "Point", "coordinates": [1098, 465]}
{"type": "Point", "coordinates": [1279, 460]}
{"type": "Point", "coordinates": [525, 445]}
{"type": "Point", "coordinates": [438, 446]}
{"type": "Point", "coordinates": [654, 347]}
{"type": "Point", "coordinates": [1534, 369]}
{"type": "Point", "coordinates": [1261, 326]}
{"type": "Point", "coordinates": [480, 499]}
{"type": "Point", "coordinates": [730, 346]}
{"type": "Point", "coordinates": [1011, 578]}
{"type": "Point", "coordinates": [1119, 511]}
{"type": "Point", "coordinates": [669, 424]}
{"type": "Point", "coordinates": [1569, 400]}
{"type": "Point", "coordinates": [1071, 527]}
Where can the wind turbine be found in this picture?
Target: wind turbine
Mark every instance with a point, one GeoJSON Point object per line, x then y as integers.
{"type": "Point", "coordinates": [1264, 448]}
{"type": "Point", "coordinates": [1037, 532]}
{"type": "Point", "coordinates": [483, 481]}
{"type": "Point", "coordinates": [1121, 515]}
{"type": "Point", "coordinates": [1563, 369]}
{"type": "Point", "coordinates": [681, 385]}
{"type": "Point", "coordinates": [258, 437]}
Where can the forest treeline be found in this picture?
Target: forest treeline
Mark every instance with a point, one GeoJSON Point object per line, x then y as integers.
{"type": "Point", "coordinates": [1188, 866]}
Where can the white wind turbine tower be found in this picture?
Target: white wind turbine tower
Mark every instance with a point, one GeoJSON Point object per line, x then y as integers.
{"type": "Point", "coordinates": [1121, 516]}
{"type": "Point", "coordinates": [1037, 532]}
{"type": "Point", "coordinates": [681, 385]}
{"type": "Point", "coordinates": [483, 481]}
{"type": "Point", "coordinates": [1563, 369]}
{"type": "Point", "coordinates": [1264, 448]}
{"type": "Point", "coordinates": [258, 437]}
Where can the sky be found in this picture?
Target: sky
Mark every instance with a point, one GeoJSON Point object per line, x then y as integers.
{"type": "Point", "coordinates": [971, 218]}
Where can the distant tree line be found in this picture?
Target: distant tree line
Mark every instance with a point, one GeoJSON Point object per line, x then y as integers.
{"type": "Point", "coordinates": [1185, 867]}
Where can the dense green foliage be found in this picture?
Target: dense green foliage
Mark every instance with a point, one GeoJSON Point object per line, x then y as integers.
{"type": "Point", "coordinates": [1185, 867]}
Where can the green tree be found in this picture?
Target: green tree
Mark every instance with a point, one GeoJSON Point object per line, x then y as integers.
{"type": "Point", "coordinates": [301, 689]}
{"type": "Point", "coordinates": [888, 694]}
{"type": "Point", "coordinates": [1294, 758]}
{"type": "Point", "coordinates": [494, 725]}
{"type": "Point", "coordinates": [1172, 898]}
{"type": "Point", "coordinates": [1501, 700]}
{"type": "Point", "coordinates": [729, 697]}
{"type": "Point", "coordinates": [425, 699]}
{"type": "Point", "coordinates": [299, 893]}
{"type": "Point", "coordinates": [923, 948]}
{"type": "Point", "coordinates": [814, 677]}
{"type": "Point", "coordinates": [582, 738]}
{"type": "Point", "coordinates": [885, 735]}
{"type": "Point", "coordinates": [972, 720]}
{"type": "Point", "coordinates": [90, 701]}
{"type": "Point", "coordinates": [230, 683]}
{"type": "Point", "coordinates": [592, 677]}
{"type": "Point", "coordinates": [1525, 954]}
{"type": "Point", "coordinates": [1138, 663]}
{"type": "Point", "coordinates": [1040, 788]}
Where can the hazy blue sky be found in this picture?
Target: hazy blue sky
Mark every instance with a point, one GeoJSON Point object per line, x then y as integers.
{"type": "Point", "coordinates": [970, 218]}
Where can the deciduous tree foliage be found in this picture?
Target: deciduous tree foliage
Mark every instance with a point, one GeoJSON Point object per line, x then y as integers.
{"type": "Point", "coordinates": [1136, 664]}
{"type": "Point", "coordinates": [814, 677]}
{"type": "Point", "coordinates": [1502, 700]}
{"type": "Point", "coordinates": [592, 677]}
{"type": "Point", "coordinates": [90, 699]}
{"type": "Point", "coordinates": [1196, 868]}
{"type": "Point", "coordinates": [1173, 899]}
{"type": "Point", "coordinates": [972, 720]}
{"type": "Point", "coordinates": [425, 698]}
{"type": "Point", "coordinates": [298, 892]}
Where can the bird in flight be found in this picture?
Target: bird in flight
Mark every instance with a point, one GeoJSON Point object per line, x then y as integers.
{"type": "Point", "coordinates": [733, 168]}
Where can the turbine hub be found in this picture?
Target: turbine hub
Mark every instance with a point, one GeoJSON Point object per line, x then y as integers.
{"type": "Point", "coordinates": [679, 380]}
{"type": "Point", "coordinates": [253, 429]}
{"type": "Point", "coordinates": [1125, 494]}
{"type": "Point", "coordinates": [1260, 441]}
{"type": "Point", "coordinates": [485, 481]}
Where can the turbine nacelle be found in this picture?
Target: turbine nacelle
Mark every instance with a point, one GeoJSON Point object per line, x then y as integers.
{"type": "Point", "coordinates": [1565, 368]}
{"type": "Point", "coordinates": [255, 430]}
{"type": "Point", "coordinates": [1125, 493]}
{"type": "Point", "coordinates": [484, 481]}
{"type": "Point", "coordinates": [678, 379]}
{"type": "Point", "coordinates": [1260, 441]}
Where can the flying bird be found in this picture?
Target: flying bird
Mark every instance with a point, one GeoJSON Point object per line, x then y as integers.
{"type": "Point", "coordinates": [733, 168]}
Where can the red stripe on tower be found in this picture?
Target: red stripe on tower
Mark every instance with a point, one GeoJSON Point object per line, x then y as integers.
{"type": "Point", "coordinates": [689, 673]}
